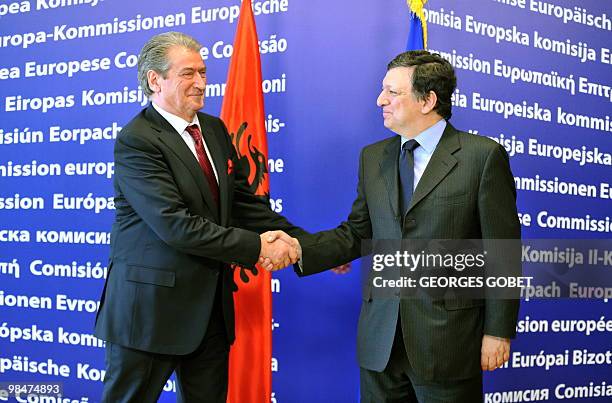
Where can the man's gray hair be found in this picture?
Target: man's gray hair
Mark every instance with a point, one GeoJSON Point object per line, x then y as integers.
{"type": "Point", "coordinates": [154, 55]}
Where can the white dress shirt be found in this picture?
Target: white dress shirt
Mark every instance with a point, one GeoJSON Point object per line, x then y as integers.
{"type": "Point", "coordinates": [180, 125]}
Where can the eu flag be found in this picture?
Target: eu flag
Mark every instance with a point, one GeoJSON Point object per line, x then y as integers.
{"type": "Point", "coordinates": [417, 36]}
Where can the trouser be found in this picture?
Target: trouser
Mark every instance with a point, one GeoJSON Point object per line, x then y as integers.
{"type": "Point", "coordinates": [398, 383]}
{"type": "Point", "coordinates": [202, 376]}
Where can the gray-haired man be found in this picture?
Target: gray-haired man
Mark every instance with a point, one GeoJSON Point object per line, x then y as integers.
{"type": "Point", "coordinates": [167, 303]}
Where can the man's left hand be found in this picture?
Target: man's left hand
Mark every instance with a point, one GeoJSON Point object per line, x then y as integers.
{"type": "Point", "coordinates": [494, 353]}
{"type": "Point", "coordinates": [343, 269]}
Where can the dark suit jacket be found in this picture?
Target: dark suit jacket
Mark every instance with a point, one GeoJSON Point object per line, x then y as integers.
{"type": "Point", "coordinates": [169, 243]}
{"type": "Point", "coordinates": [466, 192]}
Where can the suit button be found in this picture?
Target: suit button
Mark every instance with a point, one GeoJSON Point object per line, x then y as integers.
{"type": "Point", "coordinates": [397, 293]}
{"type": "Point", "coordinates": [409, 222]}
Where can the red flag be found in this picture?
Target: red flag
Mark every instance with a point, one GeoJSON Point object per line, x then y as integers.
{"type": "Point", "coordinates": [250, 373]}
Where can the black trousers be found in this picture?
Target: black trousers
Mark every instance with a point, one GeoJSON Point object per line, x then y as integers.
{"type": "Point", "coordinates": [202, 376]}
{"type": "Point", "coordinates": [399, 384]}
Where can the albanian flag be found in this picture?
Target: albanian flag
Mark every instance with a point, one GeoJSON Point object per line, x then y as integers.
{"type": "Point", "coordinates": [250, 372]}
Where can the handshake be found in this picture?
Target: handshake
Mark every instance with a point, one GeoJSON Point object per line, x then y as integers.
{"type": "Point", "coordinates": [278, 250]}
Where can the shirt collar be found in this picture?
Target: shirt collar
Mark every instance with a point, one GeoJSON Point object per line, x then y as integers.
{"type": "Point", "coordinates": [178, 123]}
{"type": "Point", "coordinates": [429, 138]}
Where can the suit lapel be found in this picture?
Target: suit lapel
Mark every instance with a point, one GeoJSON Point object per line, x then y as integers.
{"type": "Point", "coordinates": [173, 140]}
{"type": "Point", "coordinates": [389, 171]}
{"type": "Point", "coordinates": [441, 163]}
{"type": "Point", "coordinates": [220, 162]}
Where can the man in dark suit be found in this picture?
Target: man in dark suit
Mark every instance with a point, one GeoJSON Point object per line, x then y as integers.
{"type": "Point", "coordinates": [167, 303]}
{"type": "Point", "coordinates": [430, 182]}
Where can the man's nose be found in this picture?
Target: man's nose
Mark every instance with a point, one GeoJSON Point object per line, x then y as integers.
{"type": "Point", "coordinates": [199, 81]}
{"type": "Point", "coordinates": [382, 99]}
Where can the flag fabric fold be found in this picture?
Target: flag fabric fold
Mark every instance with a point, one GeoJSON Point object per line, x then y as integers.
{"type": "Point", "coordinates": [417, 35]}
{"type": "Point", "coordinates": [250, 372]}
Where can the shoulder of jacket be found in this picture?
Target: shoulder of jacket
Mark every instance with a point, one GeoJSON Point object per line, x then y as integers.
{"type": "Point", "coordinates": [379, 145]}
{"type": "Point", "coordinates": [477, 141]}
{"type": "Point", "coordinates": [138, 126]}
{"type": "Point", "coordinates": [205, 118]}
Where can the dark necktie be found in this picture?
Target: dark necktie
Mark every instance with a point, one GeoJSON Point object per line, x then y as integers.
{"type": "Point", "coordinates": [194, 132]}
{"type": "Point", "coordinates": [406, 171]}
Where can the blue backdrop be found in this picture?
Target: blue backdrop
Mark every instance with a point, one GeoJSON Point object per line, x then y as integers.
{"type": "Point", "coordinates": [323, 63]}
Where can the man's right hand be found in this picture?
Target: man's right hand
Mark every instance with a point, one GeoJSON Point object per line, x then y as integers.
{"type": "Point", "coordinates": [278, 250]}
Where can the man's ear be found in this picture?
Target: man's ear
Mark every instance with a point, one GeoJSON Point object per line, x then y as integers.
{"type": "Point", "coordinates": [153, 78]}
{"type": "Point", "coordinates": [429, 102]}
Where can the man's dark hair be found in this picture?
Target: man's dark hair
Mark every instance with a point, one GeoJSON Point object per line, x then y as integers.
{"type": "Point", "coordinates": [431, 73]}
